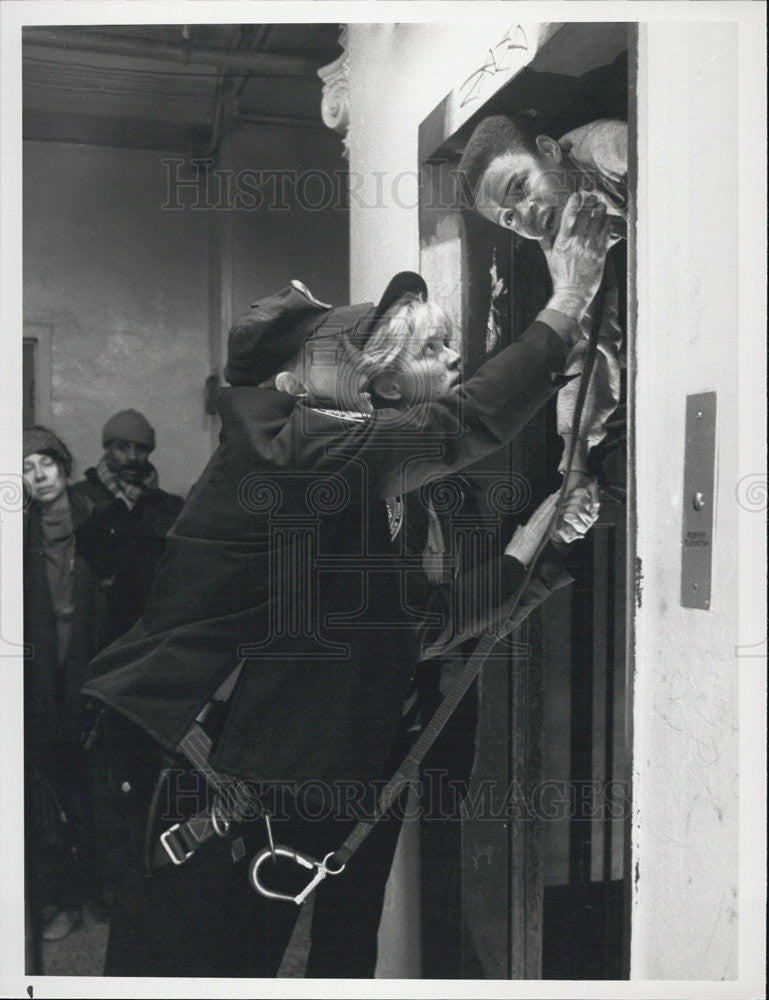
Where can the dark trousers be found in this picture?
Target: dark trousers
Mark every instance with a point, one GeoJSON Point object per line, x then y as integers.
{"type": "Point", "coordinates": [348, 908]}
{"type": "Point", "coordinates": [204, 918]}
{"type": "Point", "coordinates": [59, 825]}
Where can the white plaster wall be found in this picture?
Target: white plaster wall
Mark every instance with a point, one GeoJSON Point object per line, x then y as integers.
{"type": "Point", "coordinates": [398, 74]}
{"type": "Point", "coordinates": [685, 856]}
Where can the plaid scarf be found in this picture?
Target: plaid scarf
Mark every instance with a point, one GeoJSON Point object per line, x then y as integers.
{"type": "Point", "coordinates": [128, 492]}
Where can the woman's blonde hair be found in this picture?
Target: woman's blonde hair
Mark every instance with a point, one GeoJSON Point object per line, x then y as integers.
{"type": "Point", "coordinates": [404, 329]}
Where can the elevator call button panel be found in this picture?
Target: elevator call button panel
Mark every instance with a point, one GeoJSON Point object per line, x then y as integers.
{"type": "Point", "coordinates": [698, 500]}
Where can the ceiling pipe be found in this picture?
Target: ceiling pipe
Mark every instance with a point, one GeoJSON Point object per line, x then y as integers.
{"type": "Point", "coordinates": [257, 63]}
{"type": "Point", "coordinates": [254, 118]}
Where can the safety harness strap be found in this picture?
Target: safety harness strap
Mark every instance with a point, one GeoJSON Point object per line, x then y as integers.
{"type": "Point", "coordinates": [233, 802]}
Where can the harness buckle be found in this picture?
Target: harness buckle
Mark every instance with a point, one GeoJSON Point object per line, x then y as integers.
{"type": "Point", "coordinates": [322, 869]}
{"type": "Point", "coordinates": [169, 844]}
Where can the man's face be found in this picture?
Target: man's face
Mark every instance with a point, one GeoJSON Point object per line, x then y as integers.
{"type": "Point", "coordinates": [127, 459]}
{"type": "Point", "coordinates": [423, 375]}
{"type": "Point", "coordinates": [335, 373]}
{"type": "Point", "coordinates": [525, 191]}
{"type": "Point", "coordinates": [44, 477]}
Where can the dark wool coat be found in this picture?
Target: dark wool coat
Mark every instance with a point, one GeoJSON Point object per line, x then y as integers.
{"type": "Point", "coordinates": [52, 700]}
{"type": "Point", "coordinates": [124, 546]}
{"type": "Point", "coordinates": [282, 558]}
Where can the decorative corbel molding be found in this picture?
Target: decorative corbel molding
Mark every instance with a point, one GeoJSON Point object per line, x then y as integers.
{"type": "Point", "coordinates": [335, 103]}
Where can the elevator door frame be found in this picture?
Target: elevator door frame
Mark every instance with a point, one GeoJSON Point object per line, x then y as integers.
{"type": "Point", "coordinates": [516, 877]}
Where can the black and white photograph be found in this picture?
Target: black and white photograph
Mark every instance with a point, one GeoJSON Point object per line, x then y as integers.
{"type": "Point", "coordinates": [384, 562]}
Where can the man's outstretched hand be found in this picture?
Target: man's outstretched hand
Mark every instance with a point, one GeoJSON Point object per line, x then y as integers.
{"type": "Point", "coordinates": [576, 255]}
{"type": "Point", "coordinates": [579, 513]}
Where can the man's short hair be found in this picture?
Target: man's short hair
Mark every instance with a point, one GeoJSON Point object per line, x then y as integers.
{"type": "Point", "coordinates": [493, 136]}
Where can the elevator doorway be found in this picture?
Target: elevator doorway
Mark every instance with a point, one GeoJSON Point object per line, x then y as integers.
{"type": "Point", "coordinates": [529, 880]}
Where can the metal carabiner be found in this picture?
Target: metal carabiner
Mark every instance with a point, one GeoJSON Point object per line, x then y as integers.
{"type": "Point", "coordinates": [322, 869]}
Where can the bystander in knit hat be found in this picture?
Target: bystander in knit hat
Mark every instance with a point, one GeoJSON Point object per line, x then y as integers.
{"type": "Point", "coordinates": [37, 440]}
{"type": "Point", "coordinates": [129, 425]}
{"type": "Point", "coordinates": [273, 330]}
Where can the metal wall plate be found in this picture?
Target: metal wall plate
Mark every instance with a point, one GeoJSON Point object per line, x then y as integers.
{"type": "Point", "coordinates": [698, 500]}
